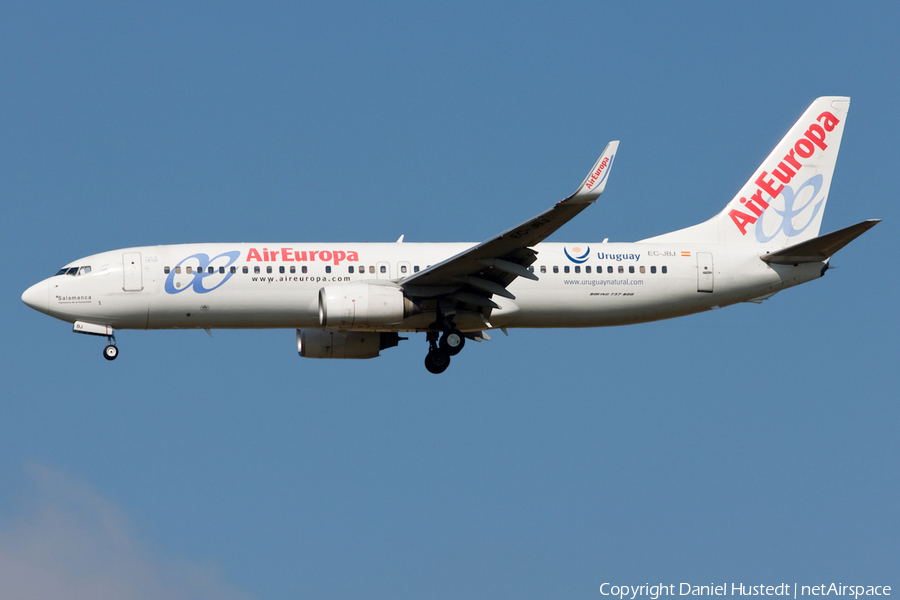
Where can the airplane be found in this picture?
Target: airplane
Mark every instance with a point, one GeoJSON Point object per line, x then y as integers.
{"type": "Point", "coordinates": [353, 300]}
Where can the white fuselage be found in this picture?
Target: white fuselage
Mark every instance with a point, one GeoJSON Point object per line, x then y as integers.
{"type": "Point", "coordinates": [277, 285]}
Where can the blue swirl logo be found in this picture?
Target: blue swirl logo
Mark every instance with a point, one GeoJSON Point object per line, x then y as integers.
{"type": "Point", "coordinates": [583, 258]}
{"type": "Point", "coordinates": [202, 272]}
{"type": "Point", "coordinates": [787, 215]}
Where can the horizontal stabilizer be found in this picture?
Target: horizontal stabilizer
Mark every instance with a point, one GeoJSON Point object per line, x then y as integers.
{"type": "Point", "coordinates": [820, 248]}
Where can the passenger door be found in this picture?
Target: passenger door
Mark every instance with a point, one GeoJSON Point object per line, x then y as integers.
{"type": "Point", "coordinates": [131, 269]}
{"type": "Point", "coordinates": [704, 272]}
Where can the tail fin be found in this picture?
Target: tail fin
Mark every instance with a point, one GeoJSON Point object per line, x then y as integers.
{"type": "Point", "coordinates": [783, 202]}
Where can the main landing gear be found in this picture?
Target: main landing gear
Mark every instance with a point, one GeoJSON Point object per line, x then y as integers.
{"type": "Point", "coordinates": [440, 350]}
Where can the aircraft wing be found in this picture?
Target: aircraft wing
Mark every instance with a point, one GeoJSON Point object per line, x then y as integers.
{"type": "Point", "coordinates": [487, 268]}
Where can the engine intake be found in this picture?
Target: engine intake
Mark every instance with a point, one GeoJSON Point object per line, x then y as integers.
{"type": "Point", "coordinates": [319, 343]}
{"type": "Point", "coordinates": [363, 305]}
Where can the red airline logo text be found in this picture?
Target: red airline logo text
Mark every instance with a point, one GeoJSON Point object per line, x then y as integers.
{"type": "Point", "coordinates": [596, 174]}
{"type": "Point", "coordinates": [291, 255]}
{"type": "Point", "coordinates": [805, 147]}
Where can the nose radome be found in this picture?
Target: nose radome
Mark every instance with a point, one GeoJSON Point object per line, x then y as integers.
{"type": "Point", "coordinates": [38, 296]}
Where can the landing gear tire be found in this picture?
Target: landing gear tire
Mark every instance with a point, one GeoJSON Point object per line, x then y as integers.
{"type": "Point", "coordinates": [452, 342]}
{"type": "Point", "coordinates": [110, 352]}
{"type": "Point", "coordinates": [437, 361]}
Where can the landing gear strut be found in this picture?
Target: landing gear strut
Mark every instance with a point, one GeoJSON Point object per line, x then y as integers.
{"type": "Point", "coordinates": [111, 351]}
{"type": "Point", "coordinates": [437, 360]}
{"type": "Point", "coordinates": [451, 342]}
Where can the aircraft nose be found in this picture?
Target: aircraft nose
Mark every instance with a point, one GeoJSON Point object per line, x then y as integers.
{"type": "Point", "coordinates": [38, 296]}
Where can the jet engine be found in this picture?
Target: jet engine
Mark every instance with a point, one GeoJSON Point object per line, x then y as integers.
{"type": "Point", "coordinates": [363, 305]}
{"type": "Point", "coordinates": [322, 343]}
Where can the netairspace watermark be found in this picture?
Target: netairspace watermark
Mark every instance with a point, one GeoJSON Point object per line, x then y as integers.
{"type": "Point", "coordinates": [654, 592]}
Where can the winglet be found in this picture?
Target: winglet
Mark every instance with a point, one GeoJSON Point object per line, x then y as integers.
{"type": "Point", "coordinates": [595, 182]}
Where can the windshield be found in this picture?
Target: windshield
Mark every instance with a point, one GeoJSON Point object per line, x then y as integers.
{"type": "Point", "coordinates": [74, 271]}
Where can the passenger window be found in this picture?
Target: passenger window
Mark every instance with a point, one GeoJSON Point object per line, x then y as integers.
{"type": "Point", "coordinates": [350, 270]}
{"type": "Point", "coordinates": [222, 270]}
{"type": "Point", "coordinates": [653, 269]}
{"type": "Point", "coordinates": [293, 269]}
{"type": "Point", "coordinates": [665, 270]}
{"type": "Point", "coordinates": [383, 269]}
{"type": "Point", "coordinates": [587, 269]}
{"type": "Point", "coordinates": [543, 268]}
{"type": "Point", "coordinates": [166, 270]}
{"type": "Point", "coordinates": [609, 269]}
{"type": "Point", "coordinates": [188, 270]}
{"type": "Point", "coordinates": [631, 269]}
{"type": "Point", "coordinates": [303, 269]}
{"type": "Point", "coordinates": [256, 269]}
{"type": "Point", "coordinates": [643, 269]}
{"type": "Point", "coordinates": [281, 269]}
{"type": "Point", "coordinates": [178, 270]}
{"type": "Point", "coordinates": [621, 269]}
{"type": "Point", "coordinates": [416, 269]}
{"type": "Point", "coordinates": [233, 270]}
{"type": "Point", "coordinates": [371, 269]}
{"type": "Point", "coordinates": [555, 269]}
{"type": "Point", "coordinates": [269, 269]}
{"type": "Point", "coordinates": [245, 270]}
{"type": "Point", "coordinates": [328, 268]}
{"type": "Point", "coordinates": [578, 269]}
{"type": "Point", "coordinates": [403, 268]}
{"type": "Point", "coordinates": [531, 269]}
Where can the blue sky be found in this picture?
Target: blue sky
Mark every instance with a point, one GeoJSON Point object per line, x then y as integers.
{"type": "Point", "coordinates": [756, 444]}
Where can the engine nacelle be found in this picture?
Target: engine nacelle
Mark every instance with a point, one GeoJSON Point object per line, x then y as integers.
{"type": "Point", "coordinates": [320, 343]}
{"type": "Point", "coordinates": [363, 305]}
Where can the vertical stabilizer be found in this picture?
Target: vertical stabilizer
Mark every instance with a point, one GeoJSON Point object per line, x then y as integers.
{"type": "Point", "coordinates": [783, 202]}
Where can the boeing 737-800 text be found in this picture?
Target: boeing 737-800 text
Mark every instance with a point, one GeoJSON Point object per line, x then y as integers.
{"type": "Point", "coordinates": [354, 300]}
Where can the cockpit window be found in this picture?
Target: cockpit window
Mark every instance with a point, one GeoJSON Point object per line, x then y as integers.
{"type": "Point", "coordinates": [74, 271]}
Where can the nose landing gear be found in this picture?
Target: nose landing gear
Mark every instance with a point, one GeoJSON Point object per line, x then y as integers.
{"type": "Point", "coordinates": [111, 351]}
